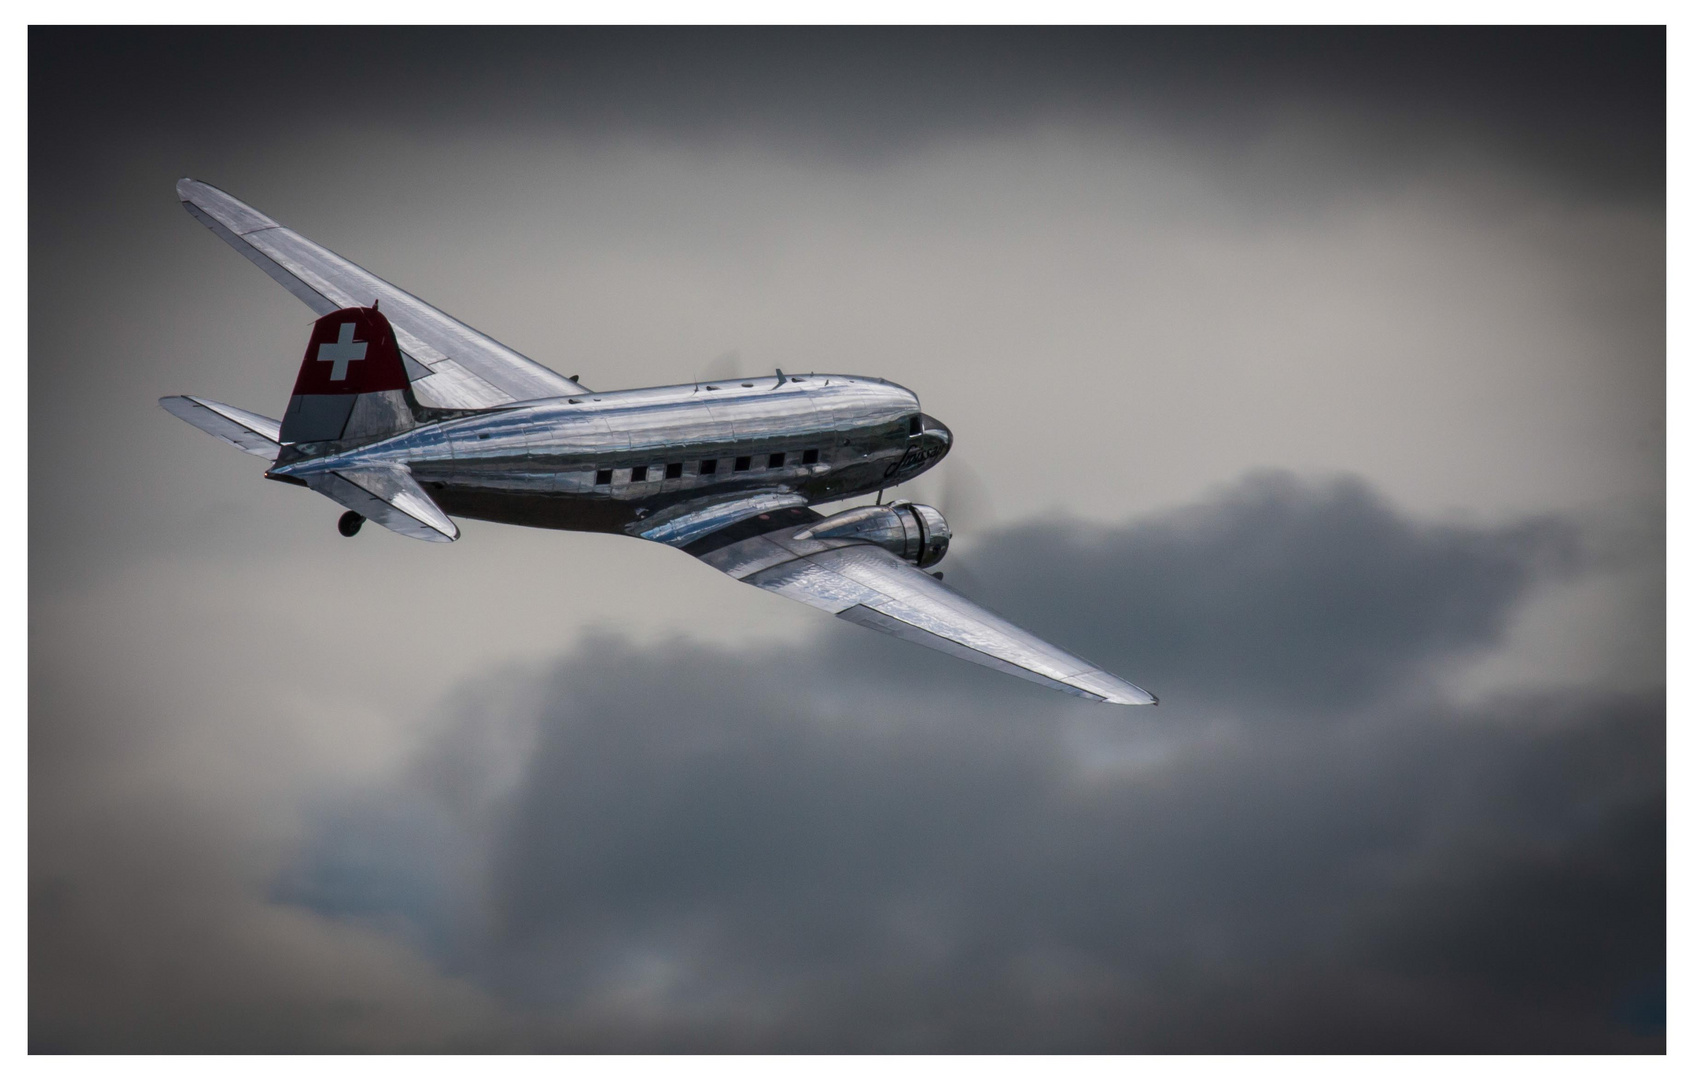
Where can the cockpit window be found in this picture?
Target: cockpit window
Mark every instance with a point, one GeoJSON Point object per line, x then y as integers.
{"type": "Point", "coordinates": [914, 426]}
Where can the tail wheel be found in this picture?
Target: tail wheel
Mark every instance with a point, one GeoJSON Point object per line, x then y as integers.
{"type": "Point", "coordinates": [350, 522]}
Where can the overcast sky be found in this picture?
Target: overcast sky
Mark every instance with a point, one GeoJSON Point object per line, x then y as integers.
{"type": "Point", "coordinates": [1312, 379]}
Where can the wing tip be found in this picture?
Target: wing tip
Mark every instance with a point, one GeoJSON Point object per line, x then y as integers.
{"type": "Point", "coordinates": [1113, 690]}
{"type": "Point", "coordinates": [1125, 699]}
{"type": "Point", "coordinates": [216, 207]}
{"type": "Point", "coordinates": [181, 405]}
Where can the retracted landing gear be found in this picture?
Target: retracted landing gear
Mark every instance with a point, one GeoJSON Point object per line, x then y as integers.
{"type": "Point", "coordinates": [350, 522]}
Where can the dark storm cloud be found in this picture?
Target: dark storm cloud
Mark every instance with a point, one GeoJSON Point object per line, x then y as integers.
{"type": "Point", "coordinates": [1583, 105]}
{"type": "Point", "coordinates": [1279, 596]}
{"type": "Point", "coordinates": [812, 848]}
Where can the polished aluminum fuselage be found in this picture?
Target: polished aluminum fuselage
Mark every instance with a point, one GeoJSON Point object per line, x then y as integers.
{"type": "Point", "coordinates": [604, 462]}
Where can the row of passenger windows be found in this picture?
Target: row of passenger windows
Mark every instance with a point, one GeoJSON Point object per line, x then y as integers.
{"type": "Point", "coordinates": [673, 471]}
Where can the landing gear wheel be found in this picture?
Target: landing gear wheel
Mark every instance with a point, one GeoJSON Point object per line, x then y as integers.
{"type": "Point", "coordinates": [350, 522]}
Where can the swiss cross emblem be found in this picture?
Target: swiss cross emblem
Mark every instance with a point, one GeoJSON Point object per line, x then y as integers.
{"type": "Point", "coordinates": [340, 352]}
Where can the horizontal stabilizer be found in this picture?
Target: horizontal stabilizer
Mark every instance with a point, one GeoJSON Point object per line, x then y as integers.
{"type": "Point", "coordinates": [389, 496]}
{"type": "Point", "coordinates": [258, 435]}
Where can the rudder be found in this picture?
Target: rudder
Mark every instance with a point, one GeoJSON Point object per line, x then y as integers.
{"type": "Point", "coordinates": [352, 384]}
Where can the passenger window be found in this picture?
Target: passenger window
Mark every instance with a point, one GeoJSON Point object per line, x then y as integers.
{"type": "Point", "coordinates": [638, 474]}
{"type": "Point", "coordinates": [673, 471]}
{"type": "Point", "coordinates": [742, 464]}
{"type": "Point", "coordinates": [810, 457]}
{"type": "Point", "coordinates": [602, 478]}
{"type": "Point", "coordinates": [709, 467]}
{"type": "Point", "coordinates": [777, 460]}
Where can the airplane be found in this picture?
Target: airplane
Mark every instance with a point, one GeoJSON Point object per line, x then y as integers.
{"type": "Point", "coordinates": [407, 417]}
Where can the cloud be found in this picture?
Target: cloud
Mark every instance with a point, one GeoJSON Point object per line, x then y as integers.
{"type": "Point", "coordinates": [1278, 596]}
{"type": "Point", "coordinates": [840, 846]}
{"type": "Point", "coordinates": [1434, 258]}
{"type": "Point", "coordinates": [1582, 106]}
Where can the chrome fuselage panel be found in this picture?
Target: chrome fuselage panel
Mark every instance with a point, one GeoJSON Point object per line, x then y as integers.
{"type": "Point", "coordinates": [604, 462]}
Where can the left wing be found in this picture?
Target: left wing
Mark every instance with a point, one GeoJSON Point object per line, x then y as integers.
{"type": "Point", "coordinates": [452, 365]}
{"type": "Point", "coordinates": [865, 584]}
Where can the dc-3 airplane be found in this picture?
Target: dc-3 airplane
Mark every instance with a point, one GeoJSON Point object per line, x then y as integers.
{"type": "Point", "coordinates": [404, 416]}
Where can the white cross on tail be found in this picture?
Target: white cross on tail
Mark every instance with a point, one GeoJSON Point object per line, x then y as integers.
{"type": "Point", "coordinates": [341, 352]}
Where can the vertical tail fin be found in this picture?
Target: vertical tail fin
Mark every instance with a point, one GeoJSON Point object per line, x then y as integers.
{"type": "Point", "coordinates": [352, 383]}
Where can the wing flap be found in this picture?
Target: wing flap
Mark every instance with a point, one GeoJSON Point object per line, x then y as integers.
{"type": "Point", "coordinates": [689, 522]}
{"type": "Point", "coordinates": [467, 369]}
{"type": "Point", "coordinates": [248, 431]}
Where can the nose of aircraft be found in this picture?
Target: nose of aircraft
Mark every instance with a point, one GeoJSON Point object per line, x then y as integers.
{"type": "Point", "coordinates": [935, 429]}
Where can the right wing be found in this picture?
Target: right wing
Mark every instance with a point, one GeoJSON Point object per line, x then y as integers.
{"type": "Point", "coordinates": [453, 365]}
{"type": "Point", "coordinates": [865, 584]}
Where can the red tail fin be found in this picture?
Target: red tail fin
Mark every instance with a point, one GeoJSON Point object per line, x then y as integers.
{"type": "Point", "coordinates": [352, 383]}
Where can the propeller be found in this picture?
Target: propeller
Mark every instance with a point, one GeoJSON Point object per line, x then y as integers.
{"type": "Point", "coordinates": [965, 498]}
{"type": "Point", "coordinates": [964, 501]}
{"type": "Point", "coordinates": [955, 488]}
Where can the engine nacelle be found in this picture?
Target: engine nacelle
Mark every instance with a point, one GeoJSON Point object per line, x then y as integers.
{"type": "Point", "coordinates": [914, 532]}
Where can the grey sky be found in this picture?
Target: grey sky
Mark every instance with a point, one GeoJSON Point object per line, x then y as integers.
{"type": "Point", "coordinates": [1132, 271]}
